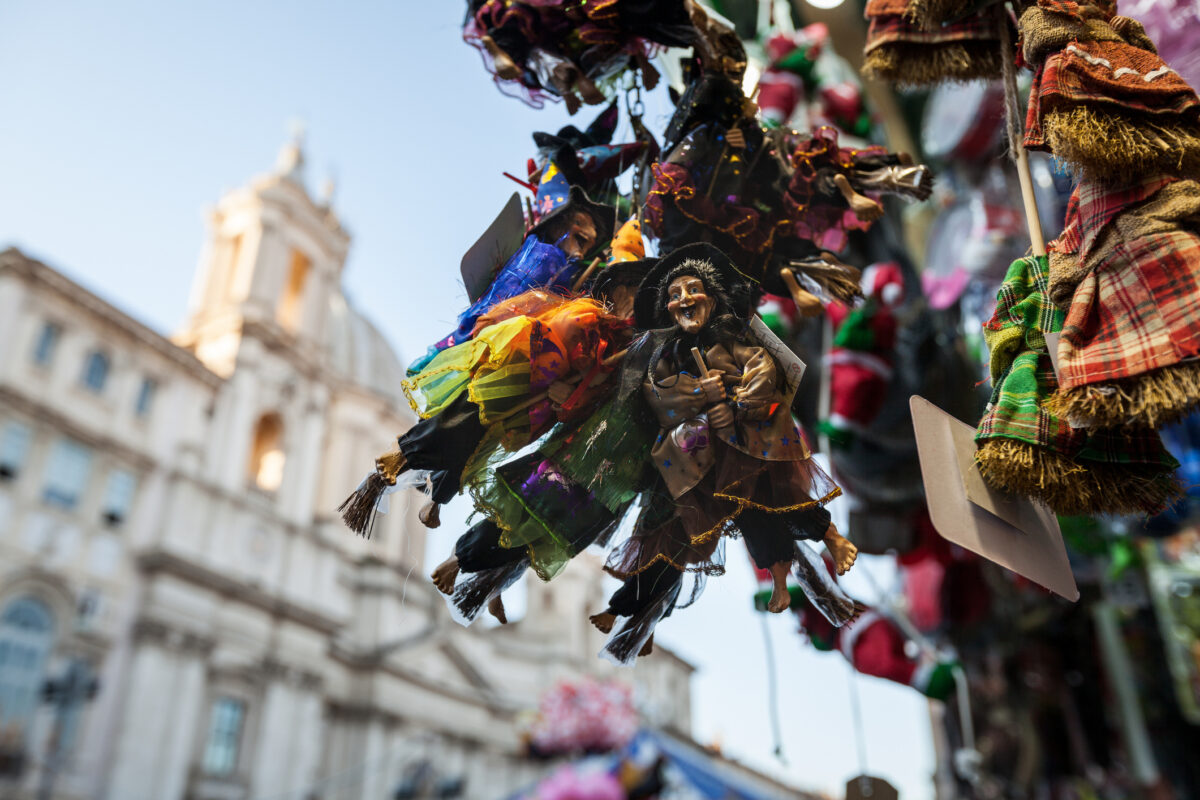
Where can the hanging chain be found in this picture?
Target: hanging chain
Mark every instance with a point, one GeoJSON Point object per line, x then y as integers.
{"type": "Point", "coordinates": [636, 109]}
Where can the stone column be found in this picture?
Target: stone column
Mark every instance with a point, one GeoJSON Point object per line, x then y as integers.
{"type": "Point", "coordinates": [161, 715]}
{"type": "Point", "coordinates": [375, 772]}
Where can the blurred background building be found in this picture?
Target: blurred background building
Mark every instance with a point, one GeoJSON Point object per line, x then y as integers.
{"type": "Point", "coordinates": [181, 612]}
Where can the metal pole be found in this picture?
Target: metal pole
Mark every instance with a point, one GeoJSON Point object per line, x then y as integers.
{"type": "Point", "coordinates": [1120, 672]}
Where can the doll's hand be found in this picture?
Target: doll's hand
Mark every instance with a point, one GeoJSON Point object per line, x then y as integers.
{"type": "Point", "coordinates": [713, 387]}
{"type": "Point", "coordinates": [559, 392]}
{"type": "Point", "coordinates": [735, 138]}
{"type": "Point", "coordinates": [720, 416]}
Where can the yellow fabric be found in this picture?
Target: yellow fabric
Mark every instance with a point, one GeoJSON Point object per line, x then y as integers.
{"type": "Point", "coordinates": [493, 349]}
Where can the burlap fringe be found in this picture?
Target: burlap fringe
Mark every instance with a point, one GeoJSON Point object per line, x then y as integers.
{"type": "Point", "coordinates": [1073, 488]}
{"type": "Point", "coordinates": [930, 14]}
{"type": "Point", "coordinates": [930, 64]}
{"type": "Point", "coordinates": [1113, 146]}
{"type": "Point", "coordinates": [1151, 400]}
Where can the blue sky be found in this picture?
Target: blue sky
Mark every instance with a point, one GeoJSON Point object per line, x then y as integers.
{"type": "Point", "coordinates": [121, 122]}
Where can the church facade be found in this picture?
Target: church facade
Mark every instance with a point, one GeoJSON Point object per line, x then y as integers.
{"type": "Point", "coordinates": [171, 563]}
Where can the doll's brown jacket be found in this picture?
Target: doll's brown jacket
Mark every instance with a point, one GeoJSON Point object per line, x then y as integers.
{"type": "Point", "coordinates": [686, 449]}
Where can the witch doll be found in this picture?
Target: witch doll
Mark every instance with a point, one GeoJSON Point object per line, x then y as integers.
{"type": "Point", "coordinates": [543, 508]}
{"type": "Point", "coordinates": [730, 459]}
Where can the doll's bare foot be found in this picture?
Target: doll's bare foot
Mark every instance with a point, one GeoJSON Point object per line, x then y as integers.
{"type": "Point", "coordinates": [650, 75]}
{"type": "Point", "coordinates": [842, 549]}
{"type": "Point", "coordinates": [572, 102]}
{"type": "Point", "coordinates": [648, 647]}
{"type": "Point", "coordinates": [445, 574]}
{"type": "Point", "coordinates": [390, 465]}
{"type": "Point", "coordinates": [807, 304]}
{"type": "Point", "coordinates": [603, 621]}
{"type": "Point", "coordinates": [430, 515]}
{"type": "Point", "coordinates": [780, 598]}
{"type": "Point", "coordinates": [588, 91]}
{"type": "Point", "coordinates": [496, 609]}
{"type": "Point", "coordinates": [863, 207]}
{"type": "Point", "coordinates": [505, 67]}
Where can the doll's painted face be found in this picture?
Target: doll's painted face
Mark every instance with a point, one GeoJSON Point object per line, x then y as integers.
{"type": "Point", "coordinates": [688, 303]}
{"type": "Point", "coordinates": [580, 236]}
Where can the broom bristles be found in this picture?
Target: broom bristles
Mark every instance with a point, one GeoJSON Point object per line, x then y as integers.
{"type": "Point", "coordinates": [358, 510]}
{"type": "Point", "coordinates": [1074, 488]}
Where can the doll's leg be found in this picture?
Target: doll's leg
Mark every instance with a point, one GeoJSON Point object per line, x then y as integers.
{"type": "Point", "coordinates": [807, 304]}
{"type": "Point", "coordinates": [635, 594]}
{"type": "Point", "coordinates": [842, 549]}
{"type": "Point", "coordinates": [496, 609]}
{"type": "Point", "coordinates": [506, 68]}
{"type": "Point", "coordinates": [781, 598]}
{"type": "Point", "coordinates": [863, 207]}
{"type": "Point", "coordinates": [476, 550]}
{"type": "Point", "coordinates": [445, 573]}
{"type": "Point", "coordinates": [430, 514]}
{"type": "Point", "coordinates": [646, 599]}
{"type": "Point", "coordinates": [770, 545]}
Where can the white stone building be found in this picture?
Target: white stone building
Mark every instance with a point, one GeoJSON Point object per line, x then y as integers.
{"type": "Point", "coordinates": [166, 521]}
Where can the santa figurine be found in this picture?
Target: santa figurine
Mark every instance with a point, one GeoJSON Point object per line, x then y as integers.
{"type": "Point", "coordinates": [860, 361]}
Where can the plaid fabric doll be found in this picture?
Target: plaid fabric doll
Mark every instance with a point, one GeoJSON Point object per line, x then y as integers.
{"type": "Point", "coordinates": [1102, 99]}
{"type": "Point", "coordinates": [1026, 449]}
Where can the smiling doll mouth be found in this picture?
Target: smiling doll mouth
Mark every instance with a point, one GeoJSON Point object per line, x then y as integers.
{"type": "Point", "coordinates": [688, 312]}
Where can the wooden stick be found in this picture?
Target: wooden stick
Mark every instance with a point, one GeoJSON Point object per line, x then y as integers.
{"type": "Point", "coordinates": [700, 365]}
{"type": "Point", "coordinates": [586, 274]}
{"type": "Point", "coordinates": [717, 169]}
{"type": "Point", "coordinates": [1037, 239]}
{"type": "Point", "coordinates": [1012, 114]}
{"type": "Point", "coordinates": [520, 182]}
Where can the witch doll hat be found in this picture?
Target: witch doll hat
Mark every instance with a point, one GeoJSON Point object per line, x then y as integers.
{"type": "Point", "coordinates": [621, 273]}
{"type": "Point", "coordinates": [711, 265]}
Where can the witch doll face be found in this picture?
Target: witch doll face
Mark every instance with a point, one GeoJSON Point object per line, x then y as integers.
{"type": "Point", "coordinates": [689, 304]}
{"type": "Point", "coordinates": [580, 236]}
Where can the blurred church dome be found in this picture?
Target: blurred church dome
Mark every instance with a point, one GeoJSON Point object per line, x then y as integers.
{"type": "Point", "coordinates": [361, 353]}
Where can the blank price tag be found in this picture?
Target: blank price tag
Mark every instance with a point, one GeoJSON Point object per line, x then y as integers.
{"type": "Point", "coordinates": [1015, 532]}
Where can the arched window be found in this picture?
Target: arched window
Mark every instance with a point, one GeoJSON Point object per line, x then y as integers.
{"type": "Point", "coordinates": [291, 302]}
{"type": "Point", "coordinates": [26, 637]}
{"type": "Point", "coordinates": [266, 455]}
{"type": "Point", "coordinates": [95, 371]}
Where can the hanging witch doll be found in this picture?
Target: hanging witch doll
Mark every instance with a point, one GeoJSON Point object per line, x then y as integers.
{"type": "Point", "coordinates": [730, 459]}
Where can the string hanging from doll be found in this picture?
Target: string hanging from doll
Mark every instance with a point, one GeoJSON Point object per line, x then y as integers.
{"type": "Point", "coordinates": [860, 740]}
{"type": "Point", "coordinates": [772, 690]}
